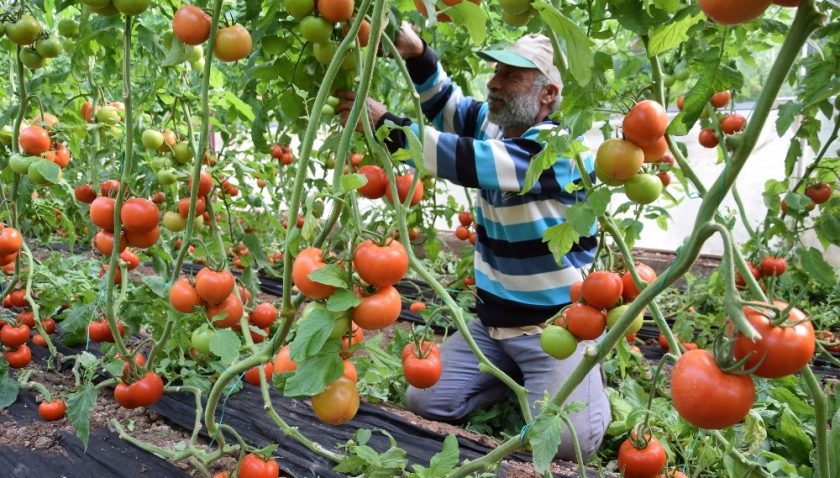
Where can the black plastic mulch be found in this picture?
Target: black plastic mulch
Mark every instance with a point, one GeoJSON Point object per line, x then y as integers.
{"type": "Point", "coordinates": [107, 456]}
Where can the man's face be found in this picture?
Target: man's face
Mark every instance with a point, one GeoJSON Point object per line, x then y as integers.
{"type": "Point", "coordinates": [513, 98]}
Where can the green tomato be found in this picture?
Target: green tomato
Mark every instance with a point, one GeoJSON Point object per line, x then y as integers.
{"type": "Point", "coordinates": [31, 59]}
{"type": "Point", "coordinates": [24, 31]}
{"type": "Point", "coordinates": [167, 177]}
{"type": "Point", "coordinates": [333, 101]}
{"type": "Point", "coordinates": [35, 174]}
{"type": "Point", "coordinates": [201, 337]}
{"type": "Point", "coordinates": [2, 29]}
{"type": "Point", "coordinates": [152, 139]}
{"type": "Point", "coordinates": [316, 29]}
{"type": "Point", "coordinates": [19, 163]}
{"type": "Point", "coordinates": [558, 342]}
{"type": "Point", "coordinates": [328, 112]}
{"type": "Point", "coordinates": [6, 134]}
{"type": "Point", "coordinates": [605, 178]}
{"type": "Point", "coordinates": [49, 47]}
{"type": "Point", "coordinates": [198, 222]}
{"type": "Point", "coordinates": [131, 7]}
{"type": "Point", "coordinates": [196, 53]}
{"type": "Point", "coordinates": [96, 3]}
{"type": "Point", "coordinates": [517, 19]}
{"type": "Point", "coordinates": [300, 8]}
{"type": "Point", "coordinates": [69, 44]}
{"type": "Point", "coordinates": [330, 162]}
{"type": "Point", "coordinates": [615, 314]}
{"type": "Point", "coordinates": [173, 221]}
{"type": "Point", "coordinates": [198, 65]}
{"type": "Point", "coordinates": [182, 152]}
{"type": "Point", "coordinates": [341, 326]}
{"type": "Point", "coordinates": [108, 115]}
{"type": "Point", "coordinates": [682, 74]}
{"type": "Point", "coordinates": [324, 52]}
{"type": "Point", "coordinates": [68, 27]}
{"type": "Point", "coordinates": [669, 81]}
{"type": "Point", "coordinates": [516, 7]}
{"type": "Point", "coordinates": [109, 10]}
{"type": "Point", "coordinates": [643, 188]}
{"type": "Point", "coordinates": [349, 61]}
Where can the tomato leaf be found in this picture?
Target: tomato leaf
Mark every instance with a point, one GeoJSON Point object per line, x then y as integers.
{"type": "Point", "coordinates": [816, 267]}
{"type": "Point", "coordinates": [158, 285]}
{"type": "Point", "coordinates": [75, 325]}
{"type": "Point", "coordinates": [79, 406]}
{"type": "Point", "coordinates": [798, 444]}
{"type": "Point", "coordinates": [314, 373]}
{"type": "Point", "coordinates": [544, 437]}
{"type": "Point", "coordinates": [714, 77]}
{"type": "Point", "coordinates": [342, 300]}
{"type": "Point", "coordinates": [350, 182]}
{"type": "Point", "coordinates": [578, 45]}
{"type": "Point", "coordinates": [9, 387]}
{"type": "Point", "coordinates": [330, 274]}
{"type": "Point", "coordinates": [311, 334]}
{"type": "Point", "coordinates": [225, 345]}
{"type": "Point", "coordinates": [240, 106]}
{"type": "Point", "coordinates": [178, 53]}
{"type": "Point", "coordinates": [442, 462]}
{"type": "Point", "coordinates": [255, 249]}
{"type": "Point", "coordinates": [672, 34]}
{"type": "Point", "coordinates": [471, 16]}
{"type": "Point", "coordinates": [560, 239]}
{"type": "Point", "coordinates": [49, 170]}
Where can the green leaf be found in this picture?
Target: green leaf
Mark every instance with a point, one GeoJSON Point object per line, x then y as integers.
{"type": "Point", "coordinates": [115, 367]}
{"type": "Point", "coordinates": [178, 53]}
{"type": "Point", "coordinates": [75, 325]}
{"type": "Point", "coordinates": [312, 334]}
{"type": "Point", "coordinates": [350, 182]}
{"type": "Point", "coordinates": [240, 106]}
{"type": "Point", "coordinates": [578, 45]}
{"type": "Point", "coordinates": [9, 387]}
{"type": "Point", "coordinates": [581, 218]}
{"type": "Point", "coordinates": [49, 170]}
{"type": "Point", "coordinates": [797, 442]}
{"type": "Point", "coordinates": [79, 406]}
{"type": "Point", "coordinates": [834, 446]}
{"type": "Point", "coordinates": [158, 285]}
{"type": "Point", "coordinates": [314, 373]}
{"type": "Point", "coordinates": [342, 300]}
{"type": "Point", "coordinates": [715, 77]}
{"type": "Point", "coordinates": [255, 249]}
{"type": "Point", "coordinates": [544, 437]}
{"type": "Point", "coordinates": [448, 457]}
{"type": "Point", "coordinates": [754, 431]}
{"type": "Point", "coordinates": [787, 115]}
{"type": "Point", "coordinates": [471, 16]}
{"type": "Point", "coordinates": [225, 345]}
{"type": "Point", "coordinates": [330, 274]}
{"type": "Point", "coordinates": [672, 34]}
{"type": "Point", "coordinates": [415, 148]}
{"type": "Point", "coordinates": [560, 239]}
{"type": "Point", "coordinates": [814, 264]}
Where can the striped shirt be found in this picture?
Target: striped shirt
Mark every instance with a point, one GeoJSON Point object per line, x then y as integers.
{"type": "Point", "coordinates": [517, 279]}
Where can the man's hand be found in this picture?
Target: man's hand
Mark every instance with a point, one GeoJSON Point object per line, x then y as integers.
{"type": "Point", "coordinates": [408, 43]}
{"type": "Point", "coordinates": [375, 109]}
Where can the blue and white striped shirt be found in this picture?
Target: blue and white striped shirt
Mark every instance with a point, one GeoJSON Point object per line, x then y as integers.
{"type": "Point", "coordinates": [518, 281]}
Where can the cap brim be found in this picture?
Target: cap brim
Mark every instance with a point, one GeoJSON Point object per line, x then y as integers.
{"type": "Point", "coordinates": [507, 57]}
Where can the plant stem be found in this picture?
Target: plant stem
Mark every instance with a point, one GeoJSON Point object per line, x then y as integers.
{"type": "Point", "coordinates": [821, 417]}
{"type": "Point", "coordinates": [581, 465]}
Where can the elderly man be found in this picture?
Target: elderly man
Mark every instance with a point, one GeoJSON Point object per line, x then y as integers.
{"type": "Point", "coordinates": [519, 285]}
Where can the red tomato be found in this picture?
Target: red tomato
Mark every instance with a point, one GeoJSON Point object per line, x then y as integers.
{"type": "Point", "coordinates": [191, 25]}
{"type": "Point", "coordinates": [34, 140]}
{"type": "Point", "coordinates": [214, 286]}
{"type": "Point", "coordinates": [465, 218]}
{"type": "Point", "coordinates": [139, 215]}
{"type": "Point", "coordinates": [707, 138]}
{"type": "Point", "coordinates": [618, 160]}
{"type": "Point", "coordinates": [602, 289]}
{"type": "Point", "coordinates": [426, 348]}
{"type": "Point", "coordinates": [721, 98]}
{"type": "Point", "coordinates": [380, 266]}
{"type": "Point", "coordinates": [338, 403]}
{"type": "Point", "coordinates": [263, 315]}
{"type": "Point", "coordinates": [230, 310]}
{"type": "Point", "coordinates": [205, 184]}
{"type": "Point", "coordinates": [377, 181]}
{"type": "Point", "coordinates": [654, 152]}
{"type": "Point", "coordinates": [646, 462]}
{"type": "Point", "coordinates": [630, 291]}
{"type": "Point", "coordinates": [307, 261]}
{"type": "Point", "coordinates": [102, 213]}
{"type": "Point", "coordinates": [422, 372]}
{"type": "Point", "coordinates": [232, 43]}
{"type": "Point", "coordinates": [378, 310]}
{"type": "Point", "coordinates": [665, 178]}
{"type": "Point", "coordinates": [26, 318]}
{"type": "Point", "coordinates": [585, 322]}
{"type": "Point", "coordinates": [680, 102]}
{"type": "Point", "coordinates": [462, 233]}
{"type": "Point", "coordinates": [252, 376]}
{"type": "Point", "coordinates": [783, 349]}
{"type": "Point", "coordinates": [49, 325]}
{"type": "Point", "coordinates": [39, 340]}
{"type": "Point", "coordinates": [84, 193]}
{"type": "Point", "coordinates": [252, 466]}
{"type": "Point", "coordinates": [14, 336]}
{"type": "Point", "coordinates": [819, 192]}
{"type": "Point", "coordinates": [183, 296]}
{"type": "Point", "coordinates": [773, 266]}
{"type": "Point", "coordinates": [732, 13]}
{"type": "Point", "coordinates": [142, 240]}
{"type": "Point", "coordinates": [18, 298]}
{"type": "Point", "coordinates": [403, 186]}
{"type": "Point", "coordinates": [732, 123]}
{"type": "Point", "coordinates": [350, 371]}
{"type": "Point", "coordinates": [184, 206]}
{"type": "Point", "coordinates": [335, 11]}
{"type": "Point", "coordinates": [10, 241]}
{"type": "Point", "coordinates": [417, 307]}
{"type": "Point", "coordinates": [122, 394]}
{"type": "Point", "coordinates": [51, 411]}
{"type": "Point", "coordinates": [18, 357]}
{"type": "Point", "coordinates": [645, 124]}
{"type": "Point", "coordinates": [130, 258]}
{"type": "Point", "coordinates": [575, 291]}
{"type": "Point", "coordinates": [146, 391]}
{"type": "Point", "coordinates": [707, 397]}
{"type": "Point", "coordinates": [283, 361]}
{"type": "Point", "coordinates": [109, 188]}
{"type": "Point", "coordinates": [104, 242]}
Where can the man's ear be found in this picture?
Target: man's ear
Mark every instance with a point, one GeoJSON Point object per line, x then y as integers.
{"type": "Point", "coordinates": [549, 94]}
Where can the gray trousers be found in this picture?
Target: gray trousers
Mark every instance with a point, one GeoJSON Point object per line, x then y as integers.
{"type": "Point", "coordinates": [463, 389]}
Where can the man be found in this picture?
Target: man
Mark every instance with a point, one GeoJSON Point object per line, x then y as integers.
{"type": "Point", "coordinates": [519, 285]}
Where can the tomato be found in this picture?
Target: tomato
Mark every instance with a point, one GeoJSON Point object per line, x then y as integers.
{"type": "Point", "coordinates": [205, 185]}
{"type": "Point", "coordinates": [403, 186]}
{"type": "Point", "coordinates": [139, 215]}
{"type": "Point", "coordinates": [232, 43]}
{"type": "Point", "coordinates": [130, 258]}
{"type": "Point", "coordinates": [104, 242]}
{"type": "Point", "coordinates": [441, 17]}
{"type": "Point", "coordinates": [51, 411]}
{"type": "Point", "coordinates": [34, 140]}
{"type": "Point", "coordinates": [465, 218]}
{"type": "Point", "coordinates": [655, 151]}
{"type": "Point", "coordinates": [18, 357]}
{"type": "Point", "coordinates": [102, 213]}
{"type": "Point", "coordinates": [615, 314]}
{"type": "Point", "coordinates": [100, 331]}
{"type": "Point", "coordinates": [739, 280]}
{"type": "Point", "coordinates": [618, 160]}
{"type": "Point", "coordinates": [139, 360]}
{"type": "Point", "coordinates": [230, 310]}
{"type": "Point", "coordinates": [380, 266]}
{"type": "Point", "coordinates": [819, 192]}
{"type": "Point", "coordinates": [214, 286]}
{"type": "Point", "coordinates": [584, 321]}
{"type": "Point", "coordinates": [378, 310]}
{"type": "Point", "coordinates": [377, 182]}
{"type": "Point", "coordinates": [182, 152]}
{"type": "Point", "coordinates": [707, 397]}
{"type": "Point", "coordinates": [726, 12]}
{"type": "Point", "coordinates": [721, 98]}
{"type": "Point", "coordinates": [426, 348]}
{"type": "Point", "coordinates": [422, 372]}
{"type": "Point", "coordinates": [183, 296]}
{"type": "Point", "coordinates": [110, 187]}
{"type": "Point", "coordinates": [773, 266]}
{"type": "Point", "coordinates": [49, 325]}
{"type": "Point", "coordinates": [252, 376]}
{"type": "Point", "coordinates": [39, 341]}
{"type": "Point", "coordinates": [629, 290]}
{"type": "Point", "coordinates": [252, 466]}
{"type": "Point", "coordinates": [707, 138]}
{"type": "Point", "coordinates": [643, 188]}
{"type": "Point", "coordinates": [18, 298]}
{"type": "Point", "coordinates": [782, 349]}
{"type": "Point", "coordinates": [307, 261]}
{"type": "Point", "coordinates": [646, 462]}
{"type": "Point", "coordinates": [26, 318]}
{"type": "Point", "coordinates": [558, 342]}
{"type": "Point", "coordinates": [14, 336]}
{"type": "Point", "coordinates": [122, 395]}
{"type": "Point", "coordinates": [24, 31]}
{"type": "Point", "coordinates": [184, 206]}
{"type": "Point", "coordinates": [664, 178]}
{"type": "Point", "coordinates": [732, 123]}
{"type": "Point", "coordinates": [417, 306]}
{"type": "Point", "coordinates": [602, 289]}
{"type": "Point", "coordinates": [10, 241]}
{"type": "Point", "coordinates": [191, 25]}
{"type": "Point", "coordinates": [462, 233]}
{"type": "Point", "coordinates": [263, 315]}
{"type": "Point", "coordinates": [335, 11]}
{"type": "Point", "coordinates": [363, 35]}
{"type": "Point", "coordinates": [146, 391]}
{"type": "Point", "coordinates": [283, 361]}
{"type": "Point", "coordinates": [316, 30]}
{"type": "Point", "coordinates": [142, 240]}
{"type": "Point", "coordinates": [338, 403]}
{"type": "Point", "coordinates": [575, 291]}
{"type": "Point", "coordinates": [152, 139]}
{"type": "Point", "coordinates": [645, 124]}
{"type": "Point", "coordinates": [108, 115]}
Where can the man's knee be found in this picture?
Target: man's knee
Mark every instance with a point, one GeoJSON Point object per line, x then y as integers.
{"type": "Point", "coordinates": [434, 404]}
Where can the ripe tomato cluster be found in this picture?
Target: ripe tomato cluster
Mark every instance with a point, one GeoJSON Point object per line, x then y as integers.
{"type": "Point", "coordinates": [191, 25]}
{"type": "Point", "coordinates": [464, 231]}
{"type": "Point", "coordinates": [282, 153]}
{"type": "Point", "coordinates": [317, 25]}
{"type": "Point", "coordinates": [735, 13]}
{"type": "Point", "coordinates": [14, 337]}
{"type": "Point", "coordinates": [421, 363]}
